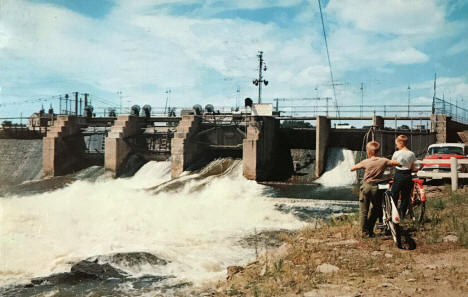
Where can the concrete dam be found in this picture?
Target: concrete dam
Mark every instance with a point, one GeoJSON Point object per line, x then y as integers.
{"type": "Point", "coordinates": [192, 140]}
{"type": "Point", "coordinates": [21, 160]}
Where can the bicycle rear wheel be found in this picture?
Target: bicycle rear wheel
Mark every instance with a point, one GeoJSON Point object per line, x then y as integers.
{"type": "Point", "coordinates": [418, 207]}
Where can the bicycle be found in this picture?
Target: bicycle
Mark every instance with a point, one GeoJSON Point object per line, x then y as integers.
{"type": "Point", "coordinates": [390, 215]}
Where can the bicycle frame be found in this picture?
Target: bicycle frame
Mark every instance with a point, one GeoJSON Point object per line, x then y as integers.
{"type": "Point", "coordinates": [418, 186]}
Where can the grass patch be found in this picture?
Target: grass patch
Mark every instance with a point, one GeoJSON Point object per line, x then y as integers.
{"type": "Point", "coordinates": [446, 215]}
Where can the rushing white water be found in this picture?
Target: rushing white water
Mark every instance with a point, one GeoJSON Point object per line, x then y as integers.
{"type": "Point", "coordinates": [337, 171]}
{"type": "Point", "coordinates": [197, 228]}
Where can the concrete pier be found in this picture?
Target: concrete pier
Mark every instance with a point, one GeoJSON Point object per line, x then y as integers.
{"type": "Point", "coordinates": [321, 143]}
{"type": "Point", "coordinates": [184, 150]}
{"type": "Point", "coordinates": [265, 155]}
{"type": "Point", "coordinates": [257, 148]}
{"type": "Point", "coordinates": [117, 145]}
{"type": "Point", "coordinates": [63, 146]}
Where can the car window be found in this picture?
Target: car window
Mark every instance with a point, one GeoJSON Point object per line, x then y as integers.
{"type": "Point", "coordinates": [452, 150]}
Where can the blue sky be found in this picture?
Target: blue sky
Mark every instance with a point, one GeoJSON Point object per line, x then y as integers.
{"type": "Point", "coordinates": [204, 50]}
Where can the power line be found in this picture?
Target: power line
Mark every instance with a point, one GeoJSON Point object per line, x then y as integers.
{"type": "Point", "coordinates": [328, 57]}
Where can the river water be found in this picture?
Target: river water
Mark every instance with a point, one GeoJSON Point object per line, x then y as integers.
{"type": "Point", "coordinates": [149, 235]}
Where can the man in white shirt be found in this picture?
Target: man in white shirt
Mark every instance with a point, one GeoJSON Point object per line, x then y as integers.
{"type": "Point", "coordinates": [402, 181]}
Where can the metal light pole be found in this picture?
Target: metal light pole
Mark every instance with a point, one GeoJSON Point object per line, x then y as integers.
{"type": "Point", "coordinates": [362, 98]}
{"type": "Point", "coordinates": [258, 82]}
{"type": "Point", "coordinates": [409, 95]}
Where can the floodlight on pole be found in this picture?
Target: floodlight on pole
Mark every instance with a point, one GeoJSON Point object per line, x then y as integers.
{"type": "Point", "coordinates": [258, 82]}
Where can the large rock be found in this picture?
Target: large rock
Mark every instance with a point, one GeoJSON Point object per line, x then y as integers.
{"type": "Point", "coordinates": [90, 269]}
{"type": "Point", "coordinates": [327, 268]}
{"type": "Point", "coordinates": [450, 238]}
{"type": "Point", "coordinates": [130, 259]}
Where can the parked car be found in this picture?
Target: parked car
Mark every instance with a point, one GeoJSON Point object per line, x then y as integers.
{"type": "Point", "coordinates": [443, 152]}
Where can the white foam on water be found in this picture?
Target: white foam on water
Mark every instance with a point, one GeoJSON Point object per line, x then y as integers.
{"type": "Point", "coordinates": [197, 230]}
{"type": "Point", "coordinates": [337, 170]}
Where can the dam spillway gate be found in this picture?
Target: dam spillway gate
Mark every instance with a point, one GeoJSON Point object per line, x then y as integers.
{"type": "Point", "coordinates": [193, 140]}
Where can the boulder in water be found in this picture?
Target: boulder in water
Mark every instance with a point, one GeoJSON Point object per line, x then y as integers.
{"type": "Point", "coordinates": [131, 259]}
{"type": "Point", "coordinates": [89, 269]}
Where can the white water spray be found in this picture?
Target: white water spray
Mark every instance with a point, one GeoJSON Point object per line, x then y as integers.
{"type": "Point", "coordinates": [337, 171]}
{"type": "Point", "coordinates": [198, 231]}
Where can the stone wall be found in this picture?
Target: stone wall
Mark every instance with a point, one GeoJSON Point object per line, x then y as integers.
{"type": "Point", "coordinates": [446, 130]}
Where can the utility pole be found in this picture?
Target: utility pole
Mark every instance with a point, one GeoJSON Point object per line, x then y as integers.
{"type": "Point", "coordinates": [409, 95]}
{"type": "Point", "coordinates": [362, 98]}
{"type": "Point", "coordinates": [66, 103]}
{"type": "Point", "coordinates": [237, 97]}
{"type": "Point", "coordinates": [80, 105]}
{"type": "Point", "coordinates": [86, 99]}
{"type": "Point", "coordinates": [326, 100]}
{"type": "Point", "coordinates": [76, 103]}
{"type": "Point", "coordinates": [120, 95]}
{"type": "Point", "coordinates": [258, 82]}
{"type": "Point", "coordinates": [434, 97]}
{"type": "Point", "coordinates": [168, 91]}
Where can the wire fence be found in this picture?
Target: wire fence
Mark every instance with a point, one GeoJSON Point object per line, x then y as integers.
{"type": "Point", "coordinates": [456, 112]}
{"type": "Point", "coordinates": [76, 103]}
{"type": "Point", "coordinates": [356, 110]}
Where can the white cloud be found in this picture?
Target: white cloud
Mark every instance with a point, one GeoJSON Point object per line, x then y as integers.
{"type": "Point", "coordinates": [460, 47]}
{"type": "Point", "coordinates": [168, 51]}
{"type": "Point", "coordinates": [407, 56]}
{"type": "Point", "coordinates": [398, 17]}
{"type": "Point", "coordinates": [377, 33]}
{"type": "Point", "coordinates": [136, 46]}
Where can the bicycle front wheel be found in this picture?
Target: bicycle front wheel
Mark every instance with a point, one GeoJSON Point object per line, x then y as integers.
{"type": "Point", "coordinates": [396, 232]}
{"type": "Point", "coordinates": [394, 228]}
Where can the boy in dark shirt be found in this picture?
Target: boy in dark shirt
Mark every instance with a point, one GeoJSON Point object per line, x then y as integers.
{"type": "Point", "coordinates": [369, 196]}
